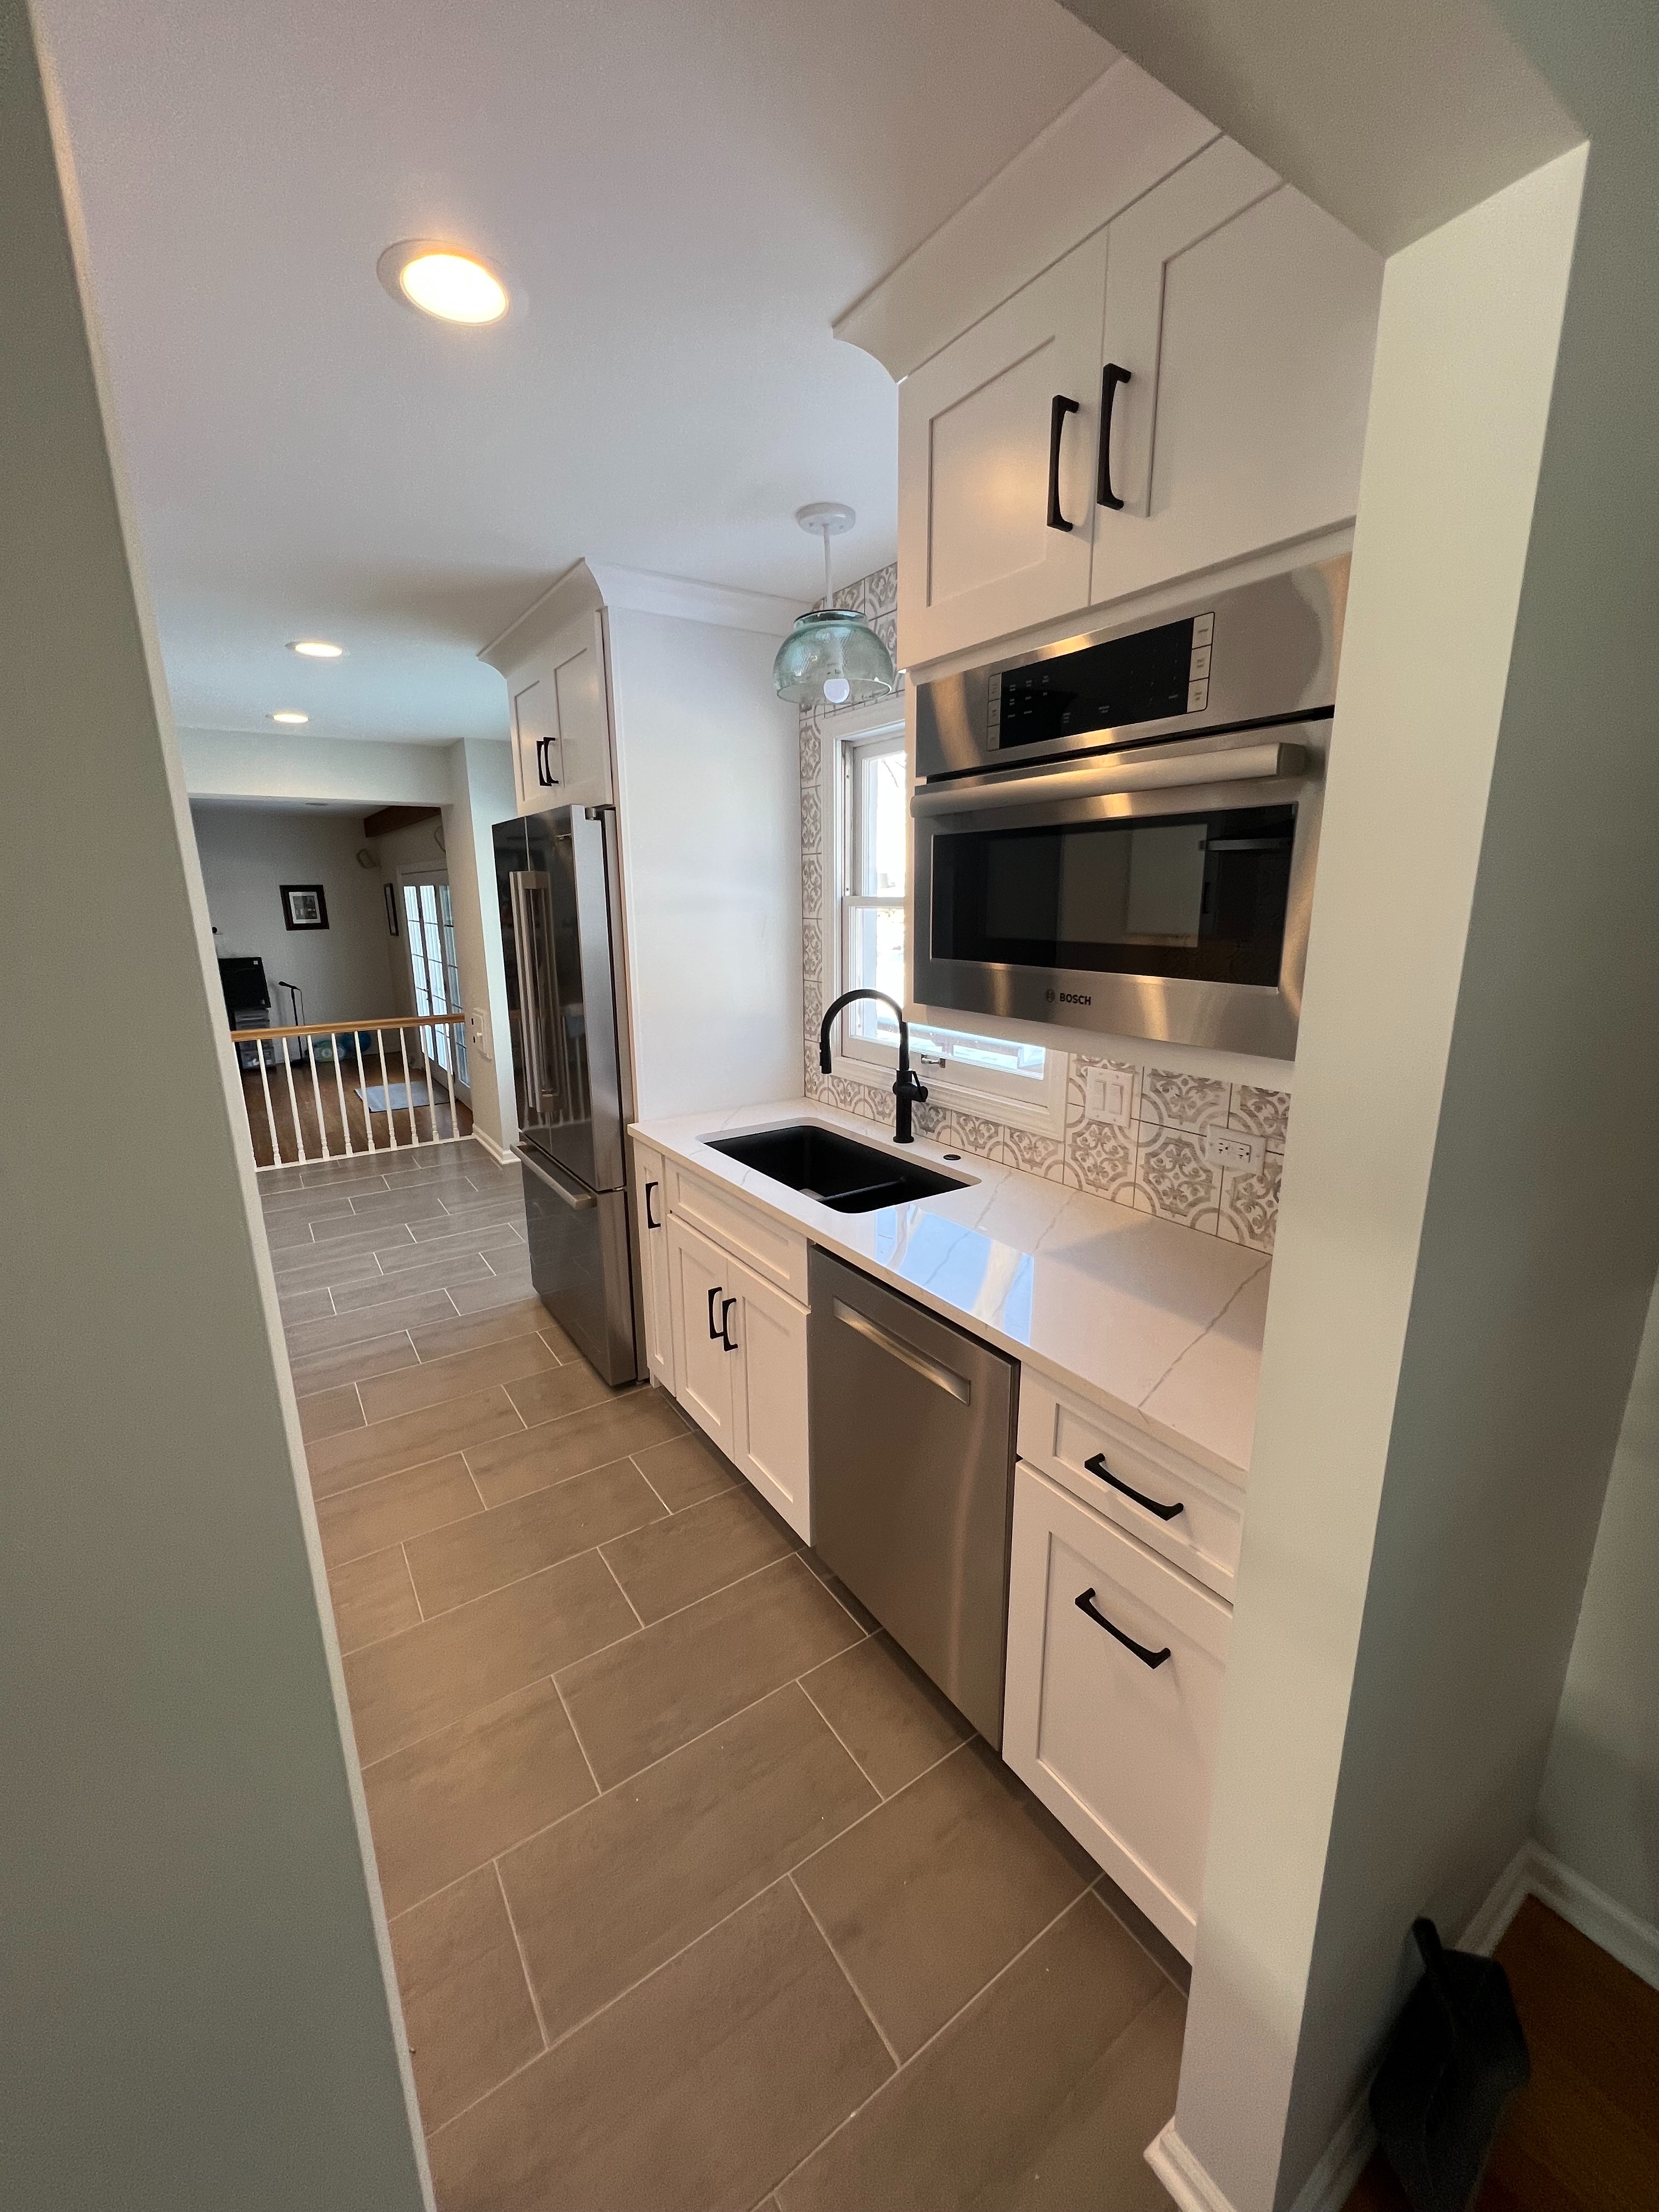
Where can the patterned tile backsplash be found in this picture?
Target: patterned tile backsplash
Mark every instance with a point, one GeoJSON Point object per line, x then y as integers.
{"type": "Point", "coordinates": [1153, 1160]}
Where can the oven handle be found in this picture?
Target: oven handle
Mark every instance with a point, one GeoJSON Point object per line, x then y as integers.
{"type": "Point", "coordinates": [1243, 764]}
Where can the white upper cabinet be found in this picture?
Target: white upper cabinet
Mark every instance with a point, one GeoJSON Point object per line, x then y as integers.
{"type": "Point", "coordinates": [1246, 318]}
{"type": "Point", "coordinates": [561, 721]}
{"type": "Point", "coordinates": [1225, 326]}
{"type": "Point", "coordinates": [997, 443]}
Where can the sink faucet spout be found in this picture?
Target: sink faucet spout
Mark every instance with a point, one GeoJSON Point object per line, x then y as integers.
{"type": "Point", "coordinates": [908, 1090]}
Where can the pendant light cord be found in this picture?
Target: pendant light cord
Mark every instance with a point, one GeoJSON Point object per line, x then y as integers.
{"type": "Point", "coordinates": [824, 534]}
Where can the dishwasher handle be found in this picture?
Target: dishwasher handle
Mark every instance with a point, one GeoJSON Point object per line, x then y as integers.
{"type": "Point", "coordinates": [942, 1378]}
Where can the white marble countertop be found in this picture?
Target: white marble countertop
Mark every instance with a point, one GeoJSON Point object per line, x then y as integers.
{"type": "Point", "coordinates": [1160, 1325]}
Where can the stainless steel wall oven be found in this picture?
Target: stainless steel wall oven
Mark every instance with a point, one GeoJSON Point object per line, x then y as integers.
{"type": "Point", "coordinates": [1118, 832]}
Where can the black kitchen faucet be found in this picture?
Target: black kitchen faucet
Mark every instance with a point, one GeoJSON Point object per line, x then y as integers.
{"type": "Point", "coordinates": [909, 1089]}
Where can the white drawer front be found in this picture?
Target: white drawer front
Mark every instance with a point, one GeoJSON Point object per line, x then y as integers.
{"type": "Point", "coordinates": [1061, 1434]}
{"type": "Point", "coordinates": [776, 1254]}
{"type": "Point", "coordinates": [1120, 1750]}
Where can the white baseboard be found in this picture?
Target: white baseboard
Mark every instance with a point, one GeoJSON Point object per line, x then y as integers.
{"type": "Point", "coordinates": [1533, 1872]}
{"type": "Point", "coordinates": [503, 1159]}
{"type": "Point", "coordinates": [1633, 1942]}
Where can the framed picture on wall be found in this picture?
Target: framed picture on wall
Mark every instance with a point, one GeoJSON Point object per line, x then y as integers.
{"type": "Point", "coordinates": [391, 908]}
{"type": "Point", "coordinates": [304, 906]}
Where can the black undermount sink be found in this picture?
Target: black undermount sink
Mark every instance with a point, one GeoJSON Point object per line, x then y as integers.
{"type": "Point", "coordinates": [839, 1172]}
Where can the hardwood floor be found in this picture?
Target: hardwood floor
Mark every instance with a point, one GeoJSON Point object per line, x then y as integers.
{"type": "Point", "coordinates": [700, 1895]}
{"type": "Point", "coordinates": [1583, 2135]}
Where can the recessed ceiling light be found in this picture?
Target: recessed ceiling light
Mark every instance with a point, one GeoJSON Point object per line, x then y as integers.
{"type": "Point", "coordinates": [290, 715]}
{"type": "Point", "coordinates": [444, 281]}
{"type": "Point", "coordinates": [316, 648]}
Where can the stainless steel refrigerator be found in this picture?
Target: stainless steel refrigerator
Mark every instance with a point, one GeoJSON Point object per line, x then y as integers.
{"type": "Point", "coordinates": [557, 883]}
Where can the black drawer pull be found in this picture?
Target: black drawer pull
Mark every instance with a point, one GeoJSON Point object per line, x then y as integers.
{"type": "Point", "coordinates": [714, 1326]}
{"type": "Point", "coordinates": [1110, 377]}
{"type": "Point", "coordinates": [1086, 1604]}
{"type": "Point", "coordinates": [726, 1306]}
{"type": "Point", "coordinates": [1097, 1466]}
{"type": "Point", "coordinates": [651, 1221]}
{"type": "Point", "coordinates": [1060, 410]}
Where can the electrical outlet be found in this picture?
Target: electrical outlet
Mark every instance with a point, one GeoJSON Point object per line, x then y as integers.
{"type": "Point", "coordinates": [1108, 1094]}
{"type": "Point", "coordinates": [478, 1035]}
{"type": "Point", "coordinates": [1237, 1153]}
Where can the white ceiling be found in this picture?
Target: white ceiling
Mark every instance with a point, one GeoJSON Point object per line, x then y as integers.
{"type": "Point", "coordinates": [685, 194]}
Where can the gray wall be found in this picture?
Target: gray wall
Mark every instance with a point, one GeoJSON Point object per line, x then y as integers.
{"type": "Point", "coordinates": [195, 2007]}
{"type": "Point", "coordinates": [246, 853]}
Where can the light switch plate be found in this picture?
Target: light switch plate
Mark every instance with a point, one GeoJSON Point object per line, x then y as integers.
{"type": "Point", "coordinates": [1108, 1094]}
{"type": "Point", "coordinates": [477, 1034]}
{"type": "Point", "coordinates": [1235, 1151]}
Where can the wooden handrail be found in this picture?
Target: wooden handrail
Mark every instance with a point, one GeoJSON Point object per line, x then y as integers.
{"type": "Point", "coordinates": [350, 1028]}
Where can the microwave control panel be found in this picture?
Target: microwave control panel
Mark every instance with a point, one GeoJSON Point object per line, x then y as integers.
{"type": "Point", "coordinates": [1145, 678]}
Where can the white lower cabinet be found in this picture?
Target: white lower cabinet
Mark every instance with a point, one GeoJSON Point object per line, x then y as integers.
{"type": "Point", "coordinates": [739, 1351]}
{"type": "Point", "coordinates": [1116, 1666]}
{"type": "Point", "coordinates": [651, 1226]}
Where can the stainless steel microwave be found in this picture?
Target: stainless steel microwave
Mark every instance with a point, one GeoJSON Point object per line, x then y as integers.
{"type": "Point", "coordinates": [1118, 833]}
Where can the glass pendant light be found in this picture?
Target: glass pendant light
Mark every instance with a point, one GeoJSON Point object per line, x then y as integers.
{"type": "Point", "coordinates": [832, 654]}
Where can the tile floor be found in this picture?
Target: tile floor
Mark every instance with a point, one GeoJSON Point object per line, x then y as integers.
{"type": "Point", "coordinates": [701, 1896]}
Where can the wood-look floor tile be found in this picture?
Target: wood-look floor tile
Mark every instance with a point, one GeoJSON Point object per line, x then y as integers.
{"type": "Point", "coordinates": [345, 1236]}
{"type": "Point", "coordinates": [434, 1381]}
{"type": "Point", "coordinates": [311, 1304]}
{"type": "Point", "coordinates": [685, 1470]}
{"type": "Point", "coordinates": [554, 1391]}
{"type": "Point", "coordinates": [472, 1790]}
{"type": "Point", "coordinates": [486, 1242]}
{"type": "Point", "coordinates": [674, 1562]}
{"type": "Point", "coordinates": [669, 1682]}
{"type": "Point", "coordinates": [612, 1892]}
{"type": "Point", "coordinates": [456, 1563]}
{"type": "Point", "coordinates": [937, 1891]}
{"type": "Point", "coordinates": [471, 1268]}
{"type": "Point", "coordinates": [693, 2094]}
{"type": "Point", "coordinates": [553, 1450]}
{"type": "Point", "coordinates": [1043, 2094]}
{"type": "Point", "coordinates": [478, 1296]}
{"type": "Point", "coordinates": [376, 1208]}
{"type": "Point", "coordinates": [410, 1439]}
{"type": "Point", "coordinates": [373, 1597]}
{"type": "Point", "coordinates": [371, 1515]}
{"type": "Point", "coordinates": [466, 2007]}
{"type": "Point", "coordinates": [838, 1588]}
{"type": "Point", "coordinates": [306, 1266]}
{"type": "Point", "coordinates": [287, 1232]}
{"type": "Point", "coordinates": [351, 1363]}
{"type": "Point", "coordinates": [328, 1331]}
{"type": "Point", "coordinates": [329, 1413]}
{"type": "Point", "coordinates": [519, 1317]}
{"type": "Point", "coordinates": [886, 1711]}
{"type": "Point", "coordinates": [476, 1213]}
{"type": "Point", "coordinates": [302, 1205]}
{"type": "Point", "coordinates": [432, 1677]}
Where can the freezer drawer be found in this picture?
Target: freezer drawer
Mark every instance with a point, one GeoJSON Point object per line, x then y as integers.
{"type": "Point", "coordinates": [912, 1426]}
{"type": "Point", "coordinates": [580, 1266]}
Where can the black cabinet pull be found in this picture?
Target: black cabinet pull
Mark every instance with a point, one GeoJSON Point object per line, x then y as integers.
{"type": "Point", "coordinates": [651, 1220]}
{"type": "Point", "coordinates": [726, 1305]}
{"type": "Point", "coordinates": [1086, 1604]}
{"type": "Point", "coordinates": [1061, 409]}
{"type": "Point", "coordinates": [1097, 1466]}
{"type": "Point", "coordinates": [1110, 377]}
{"type": "Point", "coordinates": [714, 1331]}
{"type": "Point", "coordinates": [544, 774]}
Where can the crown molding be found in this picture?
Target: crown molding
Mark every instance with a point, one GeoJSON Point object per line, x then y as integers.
{"type": "Point", "coordinates": [590, 588]}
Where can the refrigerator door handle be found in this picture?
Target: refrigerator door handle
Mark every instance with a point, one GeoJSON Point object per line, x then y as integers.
{"type": "Point", "coordinates": [530, 1002]}
{"type": "Point", "coordinates": [577, 1203]}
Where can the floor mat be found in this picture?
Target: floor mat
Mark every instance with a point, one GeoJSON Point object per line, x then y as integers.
{"type": "Point", "coordinates": [402, 1097]}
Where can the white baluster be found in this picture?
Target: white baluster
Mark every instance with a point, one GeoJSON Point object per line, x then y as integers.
{"type": "Point", "coordinates": [362, 1079]}
{"type": "Point", "coordinates": [293, 1103]}
{"type": "Point", "coordinates": [308, 1045]}
{"type": "Point", "coordinates": [385, 1087]}
{"type": "Point", "coordinates": [339, 1092]}
{"type": "Point", "coordinates": [276, 1159]}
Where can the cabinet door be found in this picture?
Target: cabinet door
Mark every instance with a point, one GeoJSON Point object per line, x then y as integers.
{"type": "Point", "coordinates": [651, 1218]}
{"type": "Point", "coordinates": [978, 557]}
{"type": "Point", "coordinates": [1247, 320]}
{"type": "Point", "coordinates": [1119, 1742]}
{"type": "Point", "coordinates": [536, 768]}
{"type": "Point", "coordinates": [770, 1391]}
{"type": "Point", "coordinates": [703, 1367]}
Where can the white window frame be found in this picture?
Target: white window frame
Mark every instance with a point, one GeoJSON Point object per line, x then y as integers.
{"type": "Point", "coordinates": [1022, 1102]}
{"type": "Point", "coordinates": [454, 1040]}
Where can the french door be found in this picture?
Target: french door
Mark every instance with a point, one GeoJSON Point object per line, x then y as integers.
{"type": "Point", "coordinates": [434, 968]}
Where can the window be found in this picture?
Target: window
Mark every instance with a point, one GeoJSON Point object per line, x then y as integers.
{"type": "Point", "coordinates": [996, 1074]}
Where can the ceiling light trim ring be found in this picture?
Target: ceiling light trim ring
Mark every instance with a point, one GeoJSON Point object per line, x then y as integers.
{"type": "Point", "coordinates": [401, 256]}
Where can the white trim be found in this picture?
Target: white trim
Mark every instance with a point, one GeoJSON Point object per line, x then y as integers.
{"type": "Point", "coordinates": [1634, 1942]}
{"type": "Point", "coordinates": [503, 1157]}
{"type": "Point", "coordinates": [590, 587]}
{"type": "Point", "coordinates": [1533, 1872]}
{"type": "Point", "coordinates": [1115, 141]}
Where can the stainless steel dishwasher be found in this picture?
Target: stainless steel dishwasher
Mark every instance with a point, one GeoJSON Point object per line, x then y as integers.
{"type": "Point", "coordinates": [913, 1467]}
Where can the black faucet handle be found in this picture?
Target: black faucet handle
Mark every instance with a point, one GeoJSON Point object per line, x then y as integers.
{"type": "Point", "coordinates": [909, 1085]}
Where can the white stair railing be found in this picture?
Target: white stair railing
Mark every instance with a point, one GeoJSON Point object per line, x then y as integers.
{"type": "Point", "coordinates": [332, 1090]}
